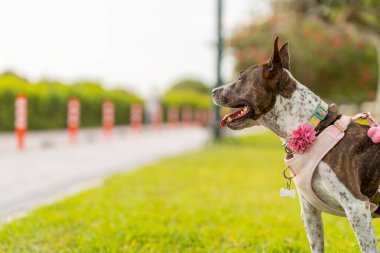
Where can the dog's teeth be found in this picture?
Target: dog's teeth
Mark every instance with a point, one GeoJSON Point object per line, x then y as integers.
{"type": "Point", "coordinates": [229, 119]}
{"type": "Point", "coordinates": [245, 109]}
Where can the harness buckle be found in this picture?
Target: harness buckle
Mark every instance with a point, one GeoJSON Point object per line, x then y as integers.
{"type": "Point", "coordinates": [340, 125]}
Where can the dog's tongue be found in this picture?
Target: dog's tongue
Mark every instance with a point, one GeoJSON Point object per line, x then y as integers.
{"type": "Point", "coordinates": [223, 121]}
{"type": "Point", "coordinates": [233, 116]}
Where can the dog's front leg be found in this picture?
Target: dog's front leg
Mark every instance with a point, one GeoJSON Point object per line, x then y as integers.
{"type": "Point", "coordinates": [312, 219]}
{"type": "Point", "coordinates": [359, 216]}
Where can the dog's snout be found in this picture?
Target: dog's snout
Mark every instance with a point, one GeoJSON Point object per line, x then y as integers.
{"type": "Point", "coordinates": [224, 99]}
{"type": "Point", "coordinates": [218, 96]}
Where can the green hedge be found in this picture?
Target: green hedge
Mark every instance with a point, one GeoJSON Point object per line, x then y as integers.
{"type": "Point", "coordinates": [185, 98]}
{"type": "Point", "coordinates": [47, 103]}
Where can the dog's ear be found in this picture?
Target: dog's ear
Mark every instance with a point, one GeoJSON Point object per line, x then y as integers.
{"type": "Point", "coordinates": [284, 55]}
{"type": "Point", "coordinates": [287, 86]}
{"type": "Point", "coordinates": [274, 64]}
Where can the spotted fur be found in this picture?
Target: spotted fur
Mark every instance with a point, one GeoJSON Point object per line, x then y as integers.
{"type": "Point", "coordinates": [347, 176]}
{"type": "Point", "coordinates": [288, 113]}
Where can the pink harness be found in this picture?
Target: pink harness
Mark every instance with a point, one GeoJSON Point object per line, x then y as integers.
{"type": "Point", "coordinates": [302, 166]}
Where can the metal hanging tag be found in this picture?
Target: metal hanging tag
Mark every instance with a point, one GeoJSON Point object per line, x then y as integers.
{"type": "Point", "coordinates": [287, 192]}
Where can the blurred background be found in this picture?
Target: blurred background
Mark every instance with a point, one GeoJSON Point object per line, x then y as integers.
{"type": "Point", "coordinates": [165, 52]}
{"type": "Point", "coordinates": [93, 87]}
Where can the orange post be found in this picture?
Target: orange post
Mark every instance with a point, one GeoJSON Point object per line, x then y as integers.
{"type": "Point", "coordinates": [186, 116]}
{"type": "Point", "coordinates": [210, 118]}
{"type": "Point", "coordinates": [205, 117]}
{"type": "Point", "coordinates": [157, 117]}
{"type": "Point", "coordinates": [108, 117]}
{"type": "Point", "coordinates": [173, 116]}
{"type": "Point", "coordinates": [198, 116]}
{"type": "Point", "coordinates": [73, 119]}
{"type": "Point", "coordinates": [136, 117]}
{"type": "Point", "coordinates": [21, 120]}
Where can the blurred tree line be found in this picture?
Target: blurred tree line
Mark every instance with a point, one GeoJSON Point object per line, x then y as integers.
{"type": "Point", "coordinates": [47, 102]}
{"type": "Point", "coordinates": [188, 92]}
{"type": "Point", "coordinates": [328, 50]}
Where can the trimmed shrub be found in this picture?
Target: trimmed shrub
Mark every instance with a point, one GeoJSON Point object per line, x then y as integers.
{"type": "Point", "coordinates": [47, 103]}
{"type": "Point", "coordinates": [187, 92]}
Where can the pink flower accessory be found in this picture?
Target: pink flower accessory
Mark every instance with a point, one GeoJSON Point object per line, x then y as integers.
{"type": "Point", "coordinates": [374, 130]}
{"type": "Point", "coordinates": [374, 133]}
{"type": "Point", "coordinates": [302, 138]}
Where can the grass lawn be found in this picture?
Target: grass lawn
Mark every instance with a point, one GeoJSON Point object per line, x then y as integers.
{"type": "Point", "coordinates": [224, 198]}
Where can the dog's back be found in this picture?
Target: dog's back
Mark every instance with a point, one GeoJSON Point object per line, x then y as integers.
{"type": "Point", "coordinates": [356, 161]}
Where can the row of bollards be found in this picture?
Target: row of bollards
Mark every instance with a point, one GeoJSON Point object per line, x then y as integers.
{"type": "Point", "coordinates": [188, 117]}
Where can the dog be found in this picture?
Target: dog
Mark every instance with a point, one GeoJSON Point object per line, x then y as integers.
{"type": "Point", "coordinates": [346, 178]}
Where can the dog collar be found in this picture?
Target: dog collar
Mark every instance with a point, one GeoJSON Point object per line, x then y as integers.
{"type": "Point", "coordinates": [303, 137]}
{"type": "Point", "coordinates": [319, 114]}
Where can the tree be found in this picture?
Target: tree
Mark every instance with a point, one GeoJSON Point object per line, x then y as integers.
{"type": "Point", "coordinates": [325, 60]}
{"type": "Point", "coordinates": [360, 18]}
{"type": "Point", "coordinates": [191, 84]}
{"type": "Point", "coordinates": [188, 92]}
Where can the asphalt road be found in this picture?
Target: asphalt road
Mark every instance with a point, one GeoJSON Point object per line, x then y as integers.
{"type": "Point", "coordinates": [51, 168]}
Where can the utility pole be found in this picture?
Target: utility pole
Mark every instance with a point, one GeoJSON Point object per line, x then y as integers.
{"type": "Point", "coordinates": [216, 127]}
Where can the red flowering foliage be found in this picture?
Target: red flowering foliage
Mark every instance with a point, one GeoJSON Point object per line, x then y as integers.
{"type": "Point", "coordinates": [334, 65]}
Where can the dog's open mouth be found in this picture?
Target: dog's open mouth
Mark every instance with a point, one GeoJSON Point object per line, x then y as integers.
{"type": "Point", "coordinates": [235, 117]}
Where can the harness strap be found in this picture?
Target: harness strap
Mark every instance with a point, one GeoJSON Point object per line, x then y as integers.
{"type": "Point", "coordinates": [302, 166]}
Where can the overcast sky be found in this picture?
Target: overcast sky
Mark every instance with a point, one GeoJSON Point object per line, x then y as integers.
{"type": "Point", "coordinates": [138, 44]}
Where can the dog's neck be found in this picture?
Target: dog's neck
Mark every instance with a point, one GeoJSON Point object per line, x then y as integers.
{"type": "Point", "coordinates": [288, 113]}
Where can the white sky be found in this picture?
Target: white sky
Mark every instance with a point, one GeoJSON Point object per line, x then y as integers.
{"type": "Point", "coordinates": [142, 45]}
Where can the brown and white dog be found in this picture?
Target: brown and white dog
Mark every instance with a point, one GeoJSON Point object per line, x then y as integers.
{"type": "Point", "coordinates": [346, 178]}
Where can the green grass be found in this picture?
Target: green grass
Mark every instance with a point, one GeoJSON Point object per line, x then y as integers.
{"type": "Point", "coordinates": [224, 198]}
